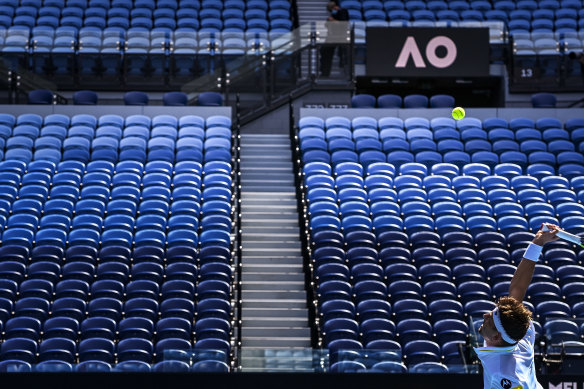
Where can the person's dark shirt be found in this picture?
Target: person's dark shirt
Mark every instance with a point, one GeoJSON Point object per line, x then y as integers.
{"type": "Point", "coordinates": [341, 14]}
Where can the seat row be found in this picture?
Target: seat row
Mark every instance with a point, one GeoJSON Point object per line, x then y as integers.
{"type": "Point", "coordinates": [93, 349]}
{"type": "Point", "coordinates": [417, 176]}
{"type": "Point", "coordinates": [113, 120]}
{"type": "Point", "coordinates": [473, 173]}
{"type": "Point", "coordinates": [74, 277]}
{"type": "Point", "coordinates": [122, 254]}
{"type": "Point", "coordinates": [150, 4]}
{"type": "Point", "coordinates": [438, 123]}
{"type": "Point", "coordinates": [144, 12]}
{"type": "Point", "coordinates": [163, 24]}
{"type": "Point", "coordinates": [396, 101]}
{"type": "Point", "coordinates": [18, 366]}
{"type": "Point", "coordinates": [40, 45]}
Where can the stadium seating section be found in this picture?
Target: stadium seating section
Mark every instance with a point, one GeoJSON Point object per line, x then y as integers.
{"type": "Point", "coordinates": [519, 16]}
{"type": "Point", "coordinates": [416, 225]}
{"type": "Point", "coordinates": [147, 37]}
{"type": "Point", "coordinates": [115, 238]}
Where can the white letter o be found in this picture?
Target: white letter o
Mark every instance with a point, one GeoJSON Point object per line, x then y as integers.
{"type": "Point", "coordinates": [450, 56]}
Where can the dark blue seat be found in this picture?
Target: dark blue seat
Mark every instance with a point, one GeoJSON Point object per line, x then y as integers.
{"type": "Point", "coordinates": [15, 366]}
{"type": "Point", "coordinates": [135, 349]}
{"type": "Point", "coordinates": [22, 327]}
{"type": "Point", "coordinates": [61, 349]}
{"type": "Point", "coordinates": [93, 366]}
{"type": "Point", "coordinates": [174, 99]}
{"type": "Point", "coordinates": [477, 308]}
{"type": "Point", "coordinates": [96, 349]}
{"type": "Point", "coordinates": [409, 330]}
{"type": "Point", "coordinates": [210, 99]}
{"type": "Point", "coordinates": [363, 101]}
{"type": "Point", "coordinates": [337, 309]}
{"type": "Point", "coordinates": [171, 367]}
{"type": "Point", "coordinates": [21, 349]}
{"type": "Point", "coordinates": [136, 98]}
{"type": "Point", "coordinates": [174, 327]}
{"type": "Point", "coordinates": [443, 309]}
{"type": "Point", "coordinates": [40, 96]}
{"type": "Point", "coordinates": [180, 307]}
{"type": "Point", "coordinates": [210, 366]}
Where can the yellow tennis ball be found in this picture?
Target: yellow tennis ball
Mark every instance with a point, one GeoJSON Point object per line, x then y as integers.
{"type": "Point", "coordinates": [458, 113]}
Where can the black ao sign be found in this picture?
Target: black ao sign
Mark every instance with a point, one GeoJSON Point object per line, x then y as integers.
{"type": "Point", "coordinates": [427, 52]}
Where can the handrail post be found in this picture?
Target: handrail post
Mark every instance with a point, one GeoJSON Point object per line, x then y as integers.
{"type": "Point", "coordinates": [238, 253]}
{"type": "Point", "coordinates": [313, 52]}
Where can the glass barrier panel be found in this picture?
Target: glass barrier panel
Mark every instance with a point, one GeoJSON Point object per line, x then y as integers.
{"type": "Point", "coordinates": [284, 360]}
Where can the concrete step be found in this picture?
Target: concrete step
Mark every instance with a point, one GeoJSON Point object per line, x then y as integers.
{"type": "Point", "coordinates": [262, 222]}
{"type": "Point", "coordinates": [254, 303]}
{"type": "Point", "coordinates": [248, 276]}
{"type": "Point", "coordinates": [263, 136]}
{"type": "Point", "coordinates": [273, 260]}
{"type": "Point", "coordinates": [281, 312]}
{"type": "Point", "coordinates": [269, 229]}
{"type": "Point", "coordinates": [272, 332]}
{"type": "Point", "coordinates": [281, 143]}
{"type": "Point", "coordinates": [246, 207]}
{"type": "Point", "coordinates": [249, 236]}
{"type": "Point", "coordinates": [268, 181]}
{"type": "Point", "coordinates": [254, 163]}
{"type": "Point", "coordinates": [272, 252]}
{"type": "Point", "coordinates": [281, 176]}
{"type": "Point", "coordinates": [256, 188]}
{"type": "Point", "coordinates": [275, 286]}
{"type": "Point", "coordinates": [267, 155]}
{"type": "Point", "coordinates": [274, 322]}
{"type": "Point", "coordinates": [275, 151]}
{"type": "Point", "coordinates": [270, 294]}
{"type": "Point", "coordinates": [273, 245]}
{"type": "Point", "coordinates": [255, 195]}
{"type": "Point", "coordinates": [270, 215]}
{"type": "Point", "coordinates": [258, 193]}
{"type": "Point", "coordinates": [272, 268]}
{"type": "Point", "coordinates": [277, 342]}
{"type": "Point", "coordinates": [267, 170]}
{"type": "Point", "coordinates": [269, 203]}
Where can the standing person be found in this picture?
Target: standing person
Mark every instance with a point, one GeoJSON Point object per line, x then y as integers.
{"type": "Point", "coordinates": [327, 51]}
{"type": "Point", "coordinates": [507, 356]}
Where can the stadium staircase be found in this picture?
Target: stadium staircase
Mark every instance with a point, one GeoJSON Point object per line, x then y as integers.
{"type": "Point", "coordinates": [274, 311]}
{"type": "Point", "coordinates": [311, 11]}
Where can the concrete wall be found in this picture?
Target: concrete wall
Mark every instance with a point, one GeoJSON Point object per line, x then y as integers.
{"type": "Point", "coordinates": [562, 114]}
{"type": "Point", "coordinates": [122, 110]}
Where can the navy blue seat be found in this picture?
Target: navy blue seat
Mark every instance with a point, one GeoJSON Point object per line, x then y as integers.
{"type": "Point", "coordinates": [21, 349]}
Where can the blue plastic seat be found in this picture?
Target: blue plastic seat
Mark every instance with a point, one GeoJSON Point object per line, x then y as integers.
{"type": "Point", "coordinates": [415, 101]}
{"type": "Point", "coordinates": [22, 327]}
{"type": "Point", "coordinates": [96, 349]}
{"type": "Point", "coordinates": [21, 349]}
{"type": "Point", "coordinates": [93, 366]}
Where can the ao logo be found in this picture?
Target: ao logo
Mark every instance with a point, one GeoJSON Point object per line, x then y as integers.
{"type": "Point", "coordinates": [410, 48]}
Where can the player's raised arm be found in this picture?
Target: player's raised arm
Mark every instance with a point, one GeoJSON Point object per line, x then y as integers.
{"type": "Point", "coordinates": [522, 277]}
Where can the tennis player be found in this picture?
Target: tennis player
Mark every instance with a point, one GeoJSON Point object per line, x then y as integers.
{"type": "Point", "coordinates": [507, 355]}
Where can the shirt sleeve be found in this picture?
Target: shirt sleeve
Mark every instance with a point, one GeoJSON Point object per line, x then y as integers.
{"type": "Point", "coordinates": [530, 334]}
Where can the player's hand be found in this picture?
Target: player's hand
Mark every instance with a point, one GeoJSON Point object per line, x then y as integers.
{"type": "Point", "coordinates": [543, 237]}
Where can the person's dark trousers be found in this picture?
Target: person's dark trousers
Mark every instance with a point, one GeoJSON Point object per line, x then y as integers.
{"type": "Point", "coordinates": [326, 59]}
{"type": "Point", "coordinates": [343, 55]}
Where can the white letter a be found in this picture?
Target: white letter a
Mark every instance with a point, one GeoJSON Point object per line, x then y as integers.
{"type": "Point", "coordinates": [410, 48]}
